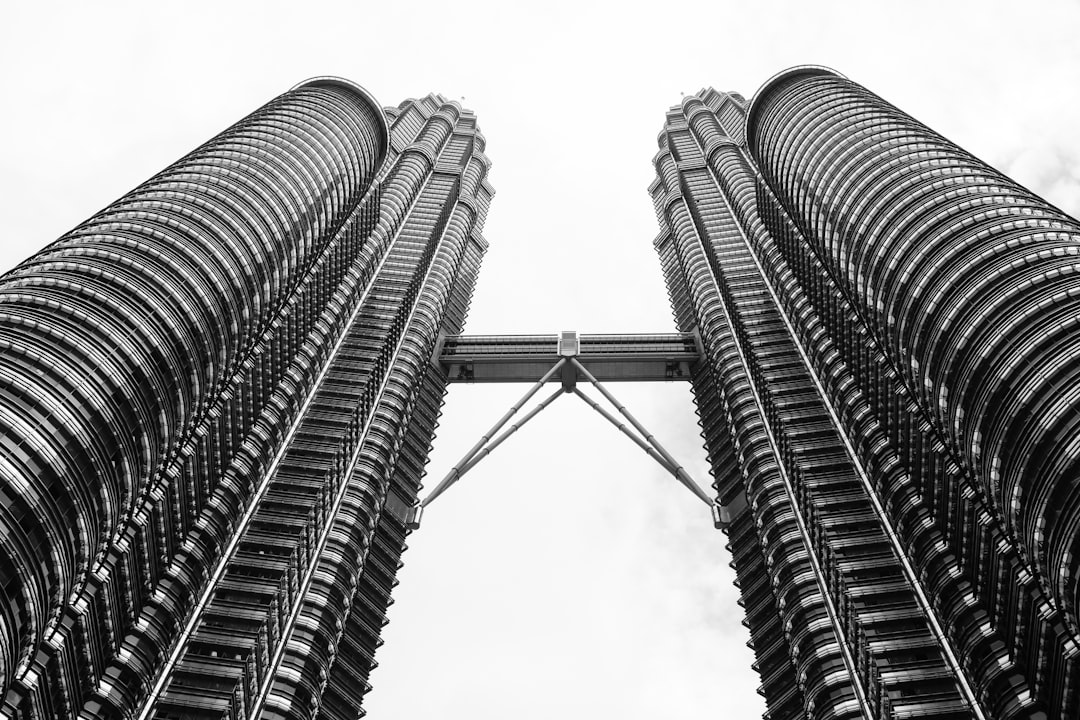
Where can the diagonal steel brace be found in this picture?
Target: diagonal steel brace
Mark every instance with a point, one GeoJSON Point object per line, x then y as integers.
{"type": "Point", "coordinates": [626, 431]}
{"type": "Point", "coordinates": [669, 462]}
{"type": "Point", "coordinates": [478, 451]}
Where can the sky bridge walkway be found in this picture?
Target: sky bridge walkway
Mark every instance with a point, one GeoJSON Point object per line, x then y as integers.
{"type": "Point", "coordinates": [567, 357]}
{"type": "Point", "coordinates": [610, 358]}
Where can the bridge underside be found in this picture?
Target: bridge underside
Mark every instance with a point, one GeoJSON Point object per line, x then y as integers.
{"type": "Point", "coordinates": [610, 358]}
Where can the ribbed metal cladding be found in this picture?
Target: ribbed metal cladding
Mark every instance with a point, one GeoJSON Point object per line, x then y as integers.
{"type": "Point", "coordinates": [125, 342]}
{"type": "Point", "coordinates": [835, 621]}
{"type": "Point", "coordinates": [970, 283]}
{"type": "Point", "coordinates": [328, 660]}
{"type": "Point", "coordinates": [291, 622]}
{"type": "Point", "coordinates": [934, 300]}
{"type": "Point", "coordinates": [793, 624]}
{"type": "Point", "coordinates": [879, 575]}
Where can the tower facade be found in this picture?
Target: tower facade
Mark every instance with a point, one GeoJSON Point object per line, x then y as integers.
{"type": "Point", "coordinates": [888, 397]}
{"type": "Point", "coordinates": [217, 397]}
{"type": "Point", "coordinates": [216, 401]}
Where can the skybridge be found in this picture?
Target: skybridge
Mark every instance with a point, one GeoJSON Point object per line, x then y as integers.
{"type": "Point", "coordinates": [568, 359]}
{"type": "Point", "coordinates": [610, 358]}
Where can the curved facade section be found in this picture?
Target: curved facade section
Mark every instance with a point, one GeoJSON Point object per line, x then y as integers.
{"type": "Point", "coordinates": [313, 558]}
{"type": "Point", "coordinates": [364, 98]}
{"type": "Point", "coordinates": [120, 335]}
{"type": "Point", "coordinates": [750, 122]}
{"type": "Point", "coordinates": [823, 449]}
{"type": "Point", "coordinates": [967, 281]}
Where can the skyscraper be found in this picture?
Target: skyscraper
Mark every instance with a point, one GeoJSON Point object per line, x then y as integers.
{"type": "Point", "coordinates": [217, 397]}
{"type": "Point", "coordinates": [888, 394]}
{"type": "Point", "coordinates": [216, 401]}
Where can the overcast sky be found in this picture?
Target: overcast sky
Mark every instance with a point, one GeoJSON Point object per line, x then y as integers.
{"type": "Point", "coordinates": [566, 576]}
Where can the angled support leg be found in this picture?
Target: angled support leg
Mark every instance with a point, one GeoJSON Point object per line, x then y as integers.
{"type": "Point", "coordinates": [678, 470]}
{"type": "Point", "coordinates": [510, 431]}
{"type": "Point", "coordinates": [626, 431]}
{"type": "Point", "coordinates": [464, 463]}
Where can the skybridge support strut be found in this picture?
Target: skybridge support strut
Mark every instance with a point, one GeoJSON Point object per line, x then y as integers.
{"type": "Point", "coordinates": [463, 466]}
{"type": "Point", "coordinates": [457, 471]}
{"type": "Point", "coordinates": [568, 367]}
{"type": "Point", "coordinates": [669, 462]}
{"type": "Point", "coordinates": [625, 431]}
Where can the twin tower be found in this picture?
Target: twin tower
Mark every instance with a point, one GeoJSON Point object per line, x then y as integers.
{"type": "Point", "coordinates": [217, 397]}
